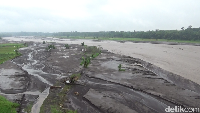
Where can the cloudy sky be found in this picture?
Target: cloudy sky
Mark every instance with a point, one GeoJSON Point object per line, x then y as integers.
{"type": "Point", "coordinates": [97, 15]}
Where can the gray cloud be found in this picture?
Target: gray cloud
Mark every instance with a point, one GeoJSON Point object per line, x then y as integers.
{"type": "Point", "coordinates": [96, 15]}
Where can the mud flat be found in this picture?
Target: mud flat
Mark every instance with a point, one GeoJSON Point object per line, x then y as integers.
{"type": "Point", "coordinates": [181, 59]}
{"type": "Point", "coordinates": [27, 78]}
{"type": "Point", "coordinates": [141, 88]}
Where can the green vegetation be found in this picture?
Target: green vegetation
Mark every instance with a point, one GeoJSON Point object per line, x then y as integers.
{"type": "Point", "coordinates": [95, 55]}
{"type": "Point", "coordinates": [7, 106]}
{"type": "Point", "coordinates": [85, 61]}
{"type": "Point", "coordinates": [140, 39]}
{"type": "Point", "coordinates": [189, 34]}
{"type": "Point", "coordinates": [149, 40]}
{"type": "Point", "coordinates": [92, 51]}
{"type": "Point", "coordinates": [120, 68]}
{"type": "Point", "coordinates": [54, 104]}
{"type": "Point", "coordinates": [74, 77]}
{"type": "Point", "coordinates": [71, 111]}
{"type": "Point", "coordinates": [66, 46]}
{"type": "Point", "coordinates": [51, 47]}
{"type": "Point", "coordinates": [82, 44]}
{"type": "Point", "coordinates": [43, 42]}
{"type": "Point", "coordinates": [28, 108]}
{"type": "Point", "coordinates": [54, 109]}
{"type": "Point", "coordinates": [25, 44]}
{"type": "Point", "coordinates": [17, 52]}
{"type": "Point", "coordinates": [9, 51]}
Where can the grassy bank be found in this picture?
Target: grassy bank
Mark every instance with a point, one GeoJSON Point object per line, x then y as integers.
{"type": "Point", "coordinates": [9, 51]}
{"type": "Point", "coordinates": [133, 39]}
{"type": "Point", "coordinates": [55, 101]}
{"type": "Point", "coordinates": [7, 106]}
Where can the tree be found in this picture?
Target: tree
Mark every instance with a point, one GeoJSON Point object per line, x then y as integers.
{"type": "Point", "coordinates": [66, 46]}
{"type": "Point", "coordinates": [82, 44]}
{"type": "Point", "coordinates": [189, 26]}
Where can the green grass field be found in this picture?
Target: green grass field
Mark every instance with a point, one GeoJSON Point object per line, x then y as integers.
{"type": "Point", "coordinates": [7, 106]}
{"type": "Point", "coordinates": [7, 51]}
{"type": "Point", "coordinates": [133, 39]}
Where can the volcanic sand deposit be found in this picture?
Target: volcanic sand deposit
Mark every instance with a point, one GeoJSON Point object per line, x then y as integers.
{"type": "Point", "coordinates": [183, 60]}
{"type": "Point", "coordinates": [142, 87]}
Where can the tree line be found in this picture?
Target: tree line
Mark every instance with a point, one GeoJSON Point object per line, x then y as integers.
{"type": "Point", "coordinates": [184, 34]}
{"type": "Point", "coordinates": [187, 34]}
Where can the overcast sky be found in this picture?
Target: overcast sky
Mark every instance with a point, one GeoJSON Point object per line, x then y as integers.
{"type": "Point", "coordinates": [97, 15]}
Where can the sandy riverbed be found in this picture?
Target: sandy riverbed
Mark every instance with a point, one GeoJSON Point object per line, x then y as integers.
{"type": "Point", "coordinates": [183, 60]}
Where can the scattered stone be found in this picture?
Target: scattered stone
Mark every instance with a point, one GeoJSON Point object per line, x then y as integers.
{"type": "Point", "coordinates": [76, 93]}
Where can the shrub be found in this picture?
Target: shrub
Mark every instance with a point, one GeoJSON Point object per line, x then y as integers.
{"type": "Point", "coordinates": [7, 106]}
{"type": "Point", "coordinates": [95, 55]}
{"type": "Point", "coordinates": [120, 68]}
{"type": "Point", "coordinates": [74, 77]}
{"type": "Point", "coordinates": [66, 46]}
{"type": "Point", "coordinates": [85, 62]}
{"type": "Point", "coordinates": [82, 44]}
{"type": "Point", "coordinates": [51, 47]}
{"type": "Point", "coordinates": [17, 52]}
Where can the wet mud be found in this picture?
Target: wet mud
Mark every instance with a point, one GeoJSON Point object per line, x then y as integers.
{"type": "Point", "coordinates": [141, 88]}
{"type": "Point", "coordinates": [102, 88]}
